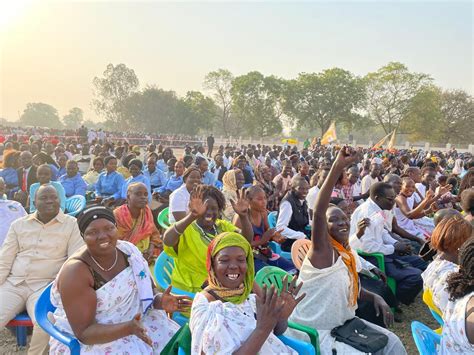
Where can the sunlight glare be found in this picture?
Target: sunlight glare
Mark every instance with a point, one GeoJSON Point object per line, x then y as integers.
{"type": "Point", "coordinates": [10, 10]}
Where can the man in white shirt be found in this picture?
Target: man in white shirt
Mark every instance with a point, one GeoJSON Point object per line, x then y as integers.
{"type": "Point", "coordinates": [371, 178]}
{"type": "Point", "coordinates": [91, 136]}
{"type": "Point", "coordinates": [34, 250]}
{"type": "Point", "coordinates": [405, 269]}
{"type": "Point", "coordinates": [228, 160]}
{"type": "Point", "coordinates": [293, 217]}
{"type": "Point", "coordinates": [317, 180]}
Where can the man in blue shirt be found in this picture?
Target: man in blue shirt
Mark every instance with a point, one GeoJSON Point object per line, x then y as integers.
{"type": "Point", "coordinates": [156, 176]}
{"type": "Point", "coordinates": [110, 182]}
{"type": "Point", "coordinates": [72, 181]}
{"type": "Point", "coordinates": [208, 178]}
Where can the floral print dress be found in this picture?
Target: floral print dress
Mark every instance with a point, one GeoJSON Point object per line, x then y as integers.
{"type": "Point", "coordinates": [118, 301]}
{"type": "Point", "coordinates": [454, 339]}
{"type": "Point", "coordinates": [222, 327]}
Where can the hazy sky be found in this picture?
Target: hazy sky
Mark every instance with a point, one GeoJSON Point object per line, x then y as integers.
{"type": "Point", "coordinates": [50, 52]}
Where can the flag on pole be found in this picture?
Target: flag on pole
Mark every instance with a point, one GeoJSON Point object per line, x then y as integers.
{"type": "Point", "coordinates": [330, 135]}
{"type": "Point", "coordinates": [381, 142]}
{"type": "Point", "coordinates": [391, 144]}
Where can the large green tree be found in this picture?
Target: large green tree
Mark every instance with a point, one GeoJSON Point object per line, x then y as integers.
{"type": "Point", "coordinates": [314, 100]}
{"type": "Point", "coordinates": [441, 116]}
{"type": "Point", "coordinates": [111, 91]}
{"type": "Point", "coordinates": [152, 110]}
{"type": "Point", "coordinates": [74, 118]}
{"type": "Point", "coordinates": [256, 104]}
{"type": "Point", "coordinates": [203, 108]}
{"type": "Point", "coordinates": [390, 91]}
{"type": "Point", "coordinates": [219, 84]}
{"type": "Point", "coordinates": [40, 114]}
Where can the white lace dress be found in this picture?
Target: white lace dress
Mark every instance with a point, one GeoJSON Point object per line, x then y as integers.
{"type": "Point", "coordinates": [222, 327]}
{"type": "Point", "coordinates": [454, 339]}
{"type": "Point", "coordinates": [434, 279]}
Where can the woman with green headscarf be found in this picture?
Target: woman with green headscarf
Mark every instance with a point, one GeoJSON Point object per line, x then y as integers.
{"type": "Point", "coordinates": [226, 318]}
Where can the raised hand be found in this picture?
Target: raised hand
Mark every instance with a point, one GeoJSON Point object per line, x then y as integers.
{"type": "Point", "coordinates": [197, 206]}
{"type": "Point", "coordinates": [429, 194]}
{"type": "Point", "coordinates": [288, 297]}
{"type": "Point", "coordinates": [269, 310]}
{"type": "Point", "coordinates": [171, 303]}
{"type": "Point", "coordinates": [241, 207]}
{"type": "Point", "coordinates": [136, 328]}
{"type": "Point", "coordinates": [444, 189]}
{"type": "Point", "coordinates": [346, 157]}
{"type": "Point", "coordinates": [268, 235]}
{"type": "Point", "coordinates": [361, 226]}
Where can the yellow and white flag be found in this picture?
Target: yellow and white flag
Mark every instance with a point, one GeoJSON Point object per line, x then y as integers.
{"type": "Point", "coordinates": [391, 144]}
{"type": "Point", "coordinates": [381, 142]}
{"type": "Point", "coordinates": [330, 135]}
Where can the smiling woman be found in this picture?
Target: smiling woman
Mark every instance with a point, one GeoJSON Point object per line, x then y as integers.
{"type": "Point", "coordinates": [187, 240]}
{"type": "Point", "coordinates": [105, 295]}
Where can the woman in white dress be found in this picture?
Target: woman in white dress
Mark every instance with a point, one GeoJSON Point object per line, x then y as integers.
{"type": "Point", "coordinates": [330, 274]}
{"type": "Point", "coordinates": [449, 235]}
{"type": "Point", "coordinates": [226, 318]}
{"type": "Point", "coordinates": [105, 295]}
{"type": "Point", "coordinates": [458, 329]}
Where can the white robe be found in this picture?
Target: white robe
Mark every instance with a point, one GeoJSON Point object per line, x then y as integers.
{"type": "Point", "coordinates": [326, 306]}
{"type": "Point", "coordinates": [222, 327]}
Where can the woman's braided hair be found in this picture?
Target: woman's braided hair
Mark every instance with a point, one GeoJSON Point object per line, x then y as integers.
{"type": "Point", "coordinates": [461, 283]}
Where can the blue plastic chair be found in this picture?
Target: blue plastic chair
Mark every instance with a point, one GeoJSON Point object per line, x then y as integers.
{"type": "Point", "coordinates": [75, 204]}
{"type": "Point", "coordinates": [426, 339]}
{"type": "Point", "coordinates": [164, 265]}
{"type": "Point", "coordinates": [272, 219]}
{"type": "Point", "coordinates": [299, 346]}
{"type": "Point", "coordinates": [43, 307]}
{"type": "Point", "coordinates": [277, 250]}
{"type": "Point", "coordinates": [21, 323]}
{"type": "Point", "coordinates": [437, 317]}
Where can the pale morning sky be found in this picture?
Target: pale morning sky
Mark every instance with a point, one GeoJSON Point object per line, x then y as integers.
{"type": "Point", "coordinates": [50, 51]}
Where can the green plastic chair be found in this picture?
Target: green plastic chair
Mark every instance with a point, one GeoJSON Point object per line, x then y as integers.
{"type": "Point", "coordinates": [272, 275]}
{"type": "Point", "coordinates": [381, 265]}
{"type": "Point", "coordinates": [163, 218]}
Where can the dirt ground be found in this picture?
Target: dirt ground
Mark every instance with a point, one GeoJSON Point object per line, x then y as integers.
{"type": "Point", "coordinates": [416, 311]}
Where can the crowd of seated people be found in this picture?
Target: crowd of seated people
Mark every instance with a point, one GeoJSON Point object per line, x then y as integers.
{"type": "Point", "coordinates": [232, 215]}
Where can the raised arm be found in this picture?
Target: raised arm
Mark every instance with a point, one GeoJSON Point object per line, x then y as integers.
{"type": "Point", "coordinates": [321, 245]}
{"type": "Point", "coordinates": [416, 212]}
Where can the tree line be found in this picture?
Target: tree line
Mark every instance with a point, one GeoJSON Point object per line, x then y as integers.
{"type": "Point", "coordinates": [257, 105]}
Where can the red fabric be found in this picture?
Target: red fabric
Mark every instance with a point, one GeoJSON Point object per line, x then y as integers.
{"type": "Point", "coordinates": [23, 184]}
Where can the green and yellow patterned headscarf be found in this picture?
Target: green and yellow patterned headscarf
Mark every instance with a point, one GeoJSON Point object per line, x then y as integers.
{"type": "Point", "coordinates": [225, 240]}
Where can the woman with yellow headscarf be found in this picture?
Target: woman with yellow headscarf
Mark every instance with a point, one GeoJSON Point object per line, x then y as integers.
{"type": "Point", "coordinates": [225, 318]}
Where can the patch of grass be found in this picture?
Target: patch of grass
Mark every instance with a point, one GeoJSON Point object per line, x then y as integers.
{"type": "Point", "coordinates": [416, 311]}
